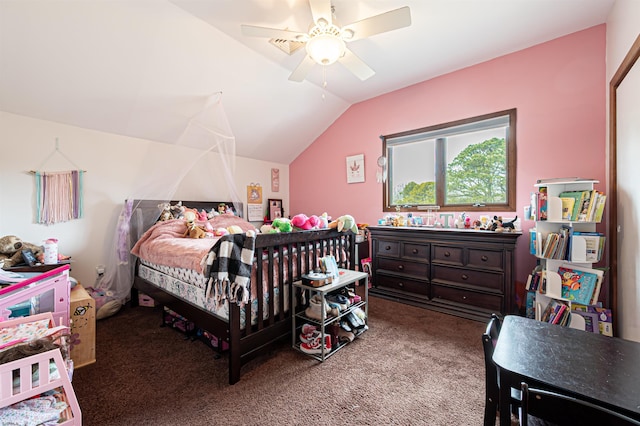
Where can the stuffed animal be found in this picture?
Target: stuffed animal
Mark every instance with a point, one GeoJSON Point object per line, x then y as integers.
{"type": "Point", "coordinates": [193, 229]}
{"type": "Point", "coordinates": [165, 212]}
{"type": "Point", "coordinates": [281, 224]}
{"type": "Point", "coordinates": [301, 221]}
{"type": "Point", "coordinates": [345, 223]}
{"type": "Point", "coordinates": [11, 251]}
{"type": "Point", "coordinates": [177, 210]}
{"type": "Point", "coordinates": [324, 221]}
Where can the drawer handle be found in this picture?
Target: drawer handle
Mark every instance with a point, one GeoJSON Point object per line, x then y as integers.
{"type": "Point", "coordinates": [484, 258]}
{"type": "Point", "coordinates": [400, 284]}
{"type": "Point", "coordinates": [387, 248]}
{"type": "Point", "coordinates": [465, 276]}
{"type": "Point", "coordinates": [415, 251]}
{"type": "Point", "coordinates": [447, 254]}
{"type": "Point", "coordinates": [400, 267]}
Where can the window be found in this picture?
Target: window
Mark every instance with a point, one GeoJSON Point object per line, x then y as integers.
{"type": "Point", "coordinates": [463, 165]}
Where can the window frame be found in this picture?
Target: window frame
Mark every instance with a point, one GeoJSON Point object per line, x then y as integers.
{"type": "Point", "coordinates": [440, 166]}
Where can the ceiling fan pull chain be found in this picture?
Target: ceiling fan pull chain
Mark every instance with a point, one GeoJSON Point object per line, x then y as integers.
{"type": "Point", "coordinates": [324, 81]}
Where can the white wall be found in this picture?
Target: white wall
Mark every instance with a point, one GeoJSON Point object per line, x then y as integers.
{"type": "Point", "coordinates": [623, 27]}
{"type": "Point", "coordinates": [115, 168]}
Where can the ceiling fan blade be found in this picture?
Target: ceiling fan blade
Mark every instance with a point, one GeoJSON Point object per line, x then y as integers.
{"type": "Point", "coordinates": [302, 69]}
{"type": "Point", "coordinates": [356, 65]}
{"type": "Point", "coordinates": [377, 24]}
{"type": "Point", "coordinates": [252, 31]}
{"type": "Point", "coordinates": [321, 9]}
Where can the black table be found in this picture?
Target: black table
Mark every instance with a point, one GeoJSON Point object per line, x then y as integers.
{"type": "Point", "coordinates": [603, 370]}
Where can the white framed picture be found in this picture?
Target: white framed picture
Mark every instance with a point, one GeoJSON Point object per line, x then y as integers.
{"type": "Point", "coordinates": [355, 168]}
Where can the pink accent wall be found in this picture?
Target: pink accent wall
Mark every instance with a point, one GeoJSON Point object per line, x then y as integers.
{"type": "Point", "coordinates": [558, 88]}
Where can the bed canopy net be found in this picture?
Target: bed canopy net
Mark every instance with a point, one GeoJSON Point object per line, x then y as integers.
{"type": "Point", "coordinates": [208, 138]}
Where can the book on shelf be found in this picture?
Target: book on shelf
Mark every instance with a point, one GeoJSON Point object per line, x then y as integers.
{"type": "Point", "coordinates": [580, 284]}
{"type": "Point", "coordinates": [578, 197]}
{"type": "Point", "coordinates": [588, 205]}
{"type": "Point", "coordinates": [542, 203]}
{"type": "Point", "coordinates": [530, 305]}
{"type": "Point", "coordinates": [567, 207]}
{"type": "Point", "coordinates": [587, 246]}
{"type": "Point", "coordinates": [602, 198]}
{"type": "Point", "coordinates": [591, 323]}
{"type": "Point", "coordinates": [604, 315]}
{"type": "Point", "coordinates": [533, 241]}
{"type": "Point", "coordinates": [556, 312]}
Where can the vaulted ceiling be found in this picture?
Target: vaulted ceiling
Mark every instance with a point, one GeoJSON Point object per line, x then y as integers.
{"type": "Point", "coordinates": [143, 68]}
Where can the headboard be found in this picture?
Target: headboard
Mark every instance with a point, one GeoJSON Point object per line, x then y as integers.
{"type": "Point", "coordinates": [148, 209]}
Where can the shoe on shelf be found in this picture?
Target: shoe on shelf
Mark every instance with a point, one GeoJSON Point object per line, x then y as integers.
{"type": "Point", "coordinates": [314, 346]}
{"type": "Point", "coordinates": [308, 328]}
{"type": "Point", "coordinates": [345, 326]}
{"type": "Point", "coordinates": [314, 310]}
{"type": "Point", "coordinates": [306, 338]}
{"type": "Point", "coordinates": [340, 300]}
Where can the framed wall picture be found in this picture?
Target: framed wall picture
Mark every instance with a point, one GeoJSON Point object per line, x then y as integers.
{"type": "Point", "coordinates": [275, 180]}
{"type": "Point", "coordinates": [275, 209]}
{"type": "Point", "coordinates": [355, 168]}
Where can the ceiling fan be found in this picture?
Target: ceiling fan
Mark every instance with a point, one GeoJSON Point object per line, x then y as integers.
{"type": "Point", "coordinates": [325, 42]}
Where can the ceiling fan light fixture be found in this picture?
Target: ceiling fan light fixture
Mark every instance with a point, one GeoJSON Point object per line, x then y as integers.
{"type": "Point", "coordinates": [325, 46]}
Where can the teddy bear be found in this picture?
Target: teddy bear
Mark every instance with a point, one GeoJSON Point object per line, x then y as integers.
{"type": "Point", "coordinates": [193, 229]}
{"type": "Point", "coordinates": [11, 251]}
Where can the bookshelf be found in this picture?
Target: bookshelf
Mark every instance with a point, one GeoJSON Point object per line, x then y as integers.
{"type": "Point", "coordinates": [566, 244]}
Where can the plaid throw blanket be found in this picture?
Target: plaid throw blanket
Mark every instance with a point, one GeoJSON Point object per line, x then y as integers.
{"type": "Point", "coordinates": [228, 266]}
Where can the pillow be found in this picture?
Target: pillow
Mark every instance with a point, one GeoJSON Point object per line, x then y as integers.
{"type": "Point", "coordinates": [226, 220]}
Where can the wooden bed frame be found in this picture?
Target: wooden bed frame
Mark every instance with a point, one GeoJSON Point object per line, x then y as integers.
{"type": "Point", "coordinates": [249, 342]}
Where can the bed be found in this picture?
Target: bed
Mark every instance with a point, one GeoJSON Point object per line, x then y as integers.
{"type": "Point", "coordinates": [278, 260]}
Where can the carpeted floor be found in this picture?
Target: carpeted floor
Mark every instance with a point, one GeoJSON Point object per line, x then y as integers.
{"type": "Point", "coordinates": [412, 367]}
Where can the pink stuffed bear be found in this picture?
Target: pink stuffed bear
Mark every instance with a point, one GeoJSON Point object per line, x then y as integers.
{"type": "Point", "coordinates": [301, 221]}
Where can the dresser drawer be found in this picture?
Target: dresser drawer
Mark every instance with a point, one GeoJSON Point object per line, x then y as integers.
{"type": "Point", "coordinates": [486, 259]}
{"type": "Point", "coordinates": [388, 248]}
{"type": "Point", "coordinates": [447, 254]}
{"type": "Point", "coordinates": [402, 284]}
{"type": "Point", "coordinates": [490, 302]}
{"type": "Point", "coordinates": [488, 280]}
{"type": "Point", "coordinates": [416, 251]}
{"type": "Point", "coordinates": [420, 270]}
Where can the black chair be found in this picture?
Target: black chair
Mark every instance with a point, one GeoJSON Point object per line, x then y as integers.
{"type": "Point", "coordinates": [565, 410]}
{"type": "Point", "coordinates": [492, 391]}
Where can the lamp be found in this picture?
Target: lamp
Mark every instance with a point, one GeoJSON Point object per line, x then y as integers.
{"type": "Point", "coordinates": [325, 45]}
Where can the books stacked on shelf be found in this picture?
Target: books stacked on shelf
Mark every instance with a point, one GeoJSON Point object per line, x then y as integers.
{"type": "Point", "coordinates": [557, 312]}
{"type": "Point", "coordinates": [582, 206]}
{"type": "Point", "coordinates": [567, 244]}
{"type": "Point", "coordinates": [580, 285]}
{"type": "Point", "coordinates": [535, 280]}
{"type": "Point", "coordinates": [539, 204]}
{"type": "Point", "coordinates": [586, 246]}
{"type": "Point", "coordinates": [556, 244]}
{"type": "Point", "coordinates": [597, 318]}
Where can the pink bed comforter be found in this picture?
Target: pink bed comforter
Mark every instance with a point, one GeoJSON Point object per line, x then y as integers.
{"type": "Point", "coordinates": [164, 243]}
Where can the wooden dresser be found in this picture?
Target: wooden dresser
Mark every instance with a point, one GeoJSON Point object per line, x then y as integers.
{"type": "Point", "coordinates": [457, 271]}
